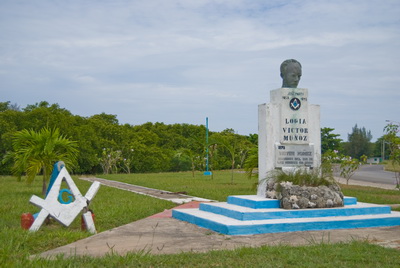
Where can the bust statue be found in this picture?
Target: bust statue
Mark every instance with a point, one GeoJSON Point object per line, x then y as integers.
{"type": "Point", "coordinates": [290, 73]}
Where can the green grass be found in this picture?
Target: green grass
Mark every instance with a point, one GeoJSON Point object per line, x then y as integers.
{"type": "Point", "coordinates": [371, 194]}
{"type": "Point", "coordinates": [217, 188]}
{"type": "Point", "coordinates": [18, 245]}
{"type": "Point", "coordinates": [389, 166]}
{"type": "Point", "coordinates": [353, 254]}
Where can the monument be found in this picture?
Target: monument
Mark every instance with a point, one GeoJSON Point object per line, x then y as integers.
{"type": "Point", "coordinates": [290, 141]}
{"type": "Point", "coordinates": [289, 135]}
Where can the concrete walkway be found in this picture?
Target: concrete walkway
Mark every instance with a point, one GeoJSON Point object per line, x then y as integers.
{"type": "Point", "coordinates": [177, 197]}
{"type": "Point", "coordinates": [365, 183]}
{"type": "Point", "coordinates": [161, 234]}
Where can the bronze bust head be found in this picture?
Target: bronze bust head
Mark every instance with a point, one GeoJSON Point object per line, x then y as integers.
{"type": "Point", "coordinates": [290, 73]}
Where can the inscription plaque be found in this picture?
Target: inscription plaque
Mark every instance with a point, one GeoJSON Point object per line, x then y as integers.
{"type": "Point", "coordinates": [294, 116]}
{"type": "Point", "coordinates": [294, 155]}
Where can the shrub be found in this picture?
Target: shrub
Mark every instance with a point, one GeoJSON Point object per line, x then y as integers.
{"type": "Point", "coordinates": [303, 177]}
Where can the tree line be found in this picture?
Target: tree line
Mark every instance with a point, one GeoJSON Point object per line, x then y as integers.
{"type": "Point", "coordinates": [105, 146]}
{"type": "Point", "coordinates": [358, 143]}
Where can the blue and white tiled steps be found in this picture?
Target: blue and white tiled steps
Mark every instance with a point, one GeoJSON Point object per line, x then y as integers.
{"type": "Point", "coordinates": [255, 215]}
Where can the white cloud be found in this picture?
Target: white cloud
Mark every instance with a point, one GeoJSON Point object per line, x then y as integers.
{"type": "Point", "coordinates": [217, 58]}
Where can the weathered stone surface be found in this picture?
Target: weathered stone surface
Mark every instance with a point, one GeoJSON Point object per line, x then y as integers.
{"type": "Point", "coordinates": [289, 133]}
{"type": "Point", "coordinates": [295, 196]}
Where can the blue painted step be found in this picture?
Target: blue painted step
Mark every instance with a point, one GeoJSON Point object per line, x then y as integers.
{"type": "Point", "coordinates": [255, 215]}
{"type": "Point", "coordinates": [254, 201]}
{"type": "Point", "coordinates": [246, 214]}
{"type": "Point", "coordinates": [229, 226]}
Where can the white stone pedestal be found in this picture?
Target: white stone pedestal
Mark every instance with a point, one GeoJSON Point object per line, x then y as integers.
{"type": "Point", "coordinates": [289, 134]}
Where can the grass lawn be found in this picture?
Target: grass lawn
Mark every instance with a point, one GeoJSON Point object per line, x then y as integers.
{"type": "Point", "coordinates": [217, 187]}
{"type": "Point", "coordinates": [220, 187]}
{"type": "Point", "coordinates": [371, 194]}
{"type": "Point", "coordinates": [122, 207]}
{"type": "Point", "coordinates": [389, 166]}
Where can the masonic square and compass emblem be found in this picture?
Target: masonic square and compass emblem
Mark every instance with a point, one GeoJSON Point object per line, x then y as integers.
{"type": "Point", "coordinates": [295, 104]}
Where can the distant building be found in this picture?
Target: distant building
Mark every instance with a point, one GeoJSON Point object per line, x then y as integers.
{"type": "Point", "coordinates": [374, 160]}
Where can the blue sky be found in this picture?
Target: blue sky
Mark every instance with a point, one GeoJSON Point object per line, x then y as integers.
{"type": "Point", "coordinates": [181, 61]}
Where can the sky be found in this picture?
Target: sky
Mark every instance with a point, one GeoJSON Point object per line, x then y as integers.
{"type": "Point", "coordinates": [182, 61]}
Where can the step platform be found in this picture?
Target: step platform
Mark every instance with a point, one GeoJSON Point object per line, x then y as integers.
{"type": "Point", "coordinates": [251, 214]}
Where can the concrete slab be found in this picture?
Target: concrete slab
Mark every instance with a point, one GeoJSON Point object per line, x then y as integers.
{"type": "Point", "coordinates": [175, 197]}
{"type": "Point", "coordinates": [170, 236]}
{"type": "Point", "coordinates": [168, 212]}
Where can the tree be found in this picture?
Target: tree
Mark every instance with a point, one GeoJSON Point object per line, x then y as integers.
{"type": "Point", "coordinates": [10, 122]}
{"type": "Point", "coordinates": [37, 151]}
{"type": "Point", "coordinates": [329, 141]}
{"type": "Point", "coordinates": [193, 157]}
{"type": "Point", "coordinates": [348, 167]}
{"type": "Point", "coordinates": [253, 138]}
{"type": "Point", "coordinates": [251, 162]}
{"type": "Point", "coordinates": [237, 146]}
{"type": "Point", "coordinates": [109, 159]}
{"type": "Point", "coordinates": [394, 146]}
{"type": "Point", "coordinates": [380, 148]}
{"type": "Point", "coordinates": [150, 147]}
{"type": "Point", "coordinates": [359, 142]}
{"type": "Point", "coordinates": [229, 142]}
{"type": "Point", "coordinates": [212, 155]}
{"type": "Point", "coordinates": [4, 106]}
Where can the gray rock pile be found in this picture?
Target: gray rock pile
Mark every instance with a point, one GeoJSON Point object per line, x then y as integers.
{"type": "Point", "coordinates": [302, 197]}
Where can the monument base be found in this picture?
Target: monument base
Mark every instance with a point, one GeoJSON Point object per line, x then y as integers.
{"type": "Point", "coordinates": [251, 214]}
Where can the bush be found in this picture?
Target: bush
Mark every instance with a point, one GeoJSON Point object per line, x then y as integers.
{"type": "Point", "coordinates": [304, 177]}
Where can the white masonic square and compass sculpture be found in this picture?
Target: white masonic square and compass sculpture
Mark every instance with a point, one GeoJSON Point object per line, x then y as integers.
{"type": "Point", "coordinates": [65, 212]}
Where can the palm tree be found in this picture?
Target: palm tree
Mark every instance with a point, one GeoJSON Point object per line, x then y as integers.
{"type": "Point", "coordinates": [251, 162]}
{"type": "Point", "coordinates": [229, 141]}
{"type": "Point", "coordinates": [192, 156]}
{"type": "Point", "coordinates": [37, 151]}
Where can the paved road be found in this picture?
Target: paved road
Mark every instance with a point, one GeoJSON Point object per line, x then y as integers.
{"type": "Point", "coordinates": [374, 173]}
